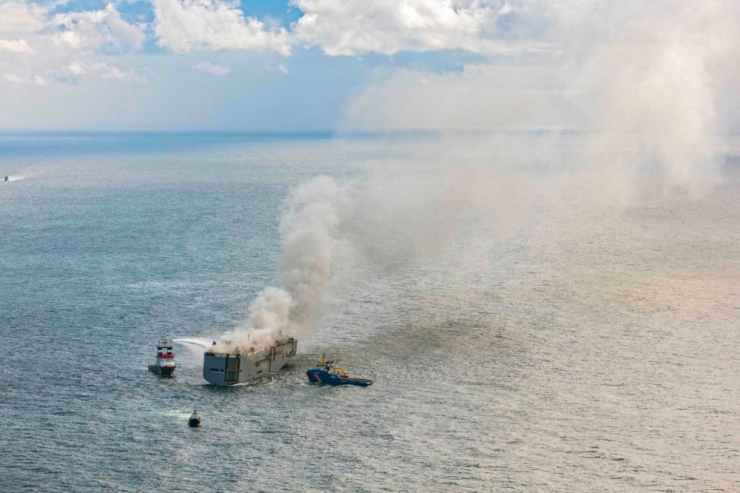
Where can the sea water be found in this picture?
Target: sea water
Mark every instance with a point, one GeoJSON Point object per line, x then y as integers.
{"type": "Point", "coordinates": [567, 344]}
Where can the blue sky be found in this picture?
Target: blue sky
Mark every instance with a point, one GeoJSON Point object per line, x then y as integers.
{"type": "Point", "coordinates": [212, 64]}
{"type": "Point", "coordinates": [341, 64]}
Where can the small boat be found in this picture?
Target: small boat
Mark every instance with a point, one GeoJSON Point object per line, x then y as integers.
{"type": "Point", "coordinates": [194, 420]}
{"type": "Point", "coordinates": [328, 373]}
{"type": "Point", "coordinates": [6, 178]}
{"type": "Point", "coordinates": [165, 364]}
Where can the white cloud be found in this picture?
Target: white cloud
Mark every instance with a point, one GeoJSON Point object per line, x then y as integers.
{"type": "Point", "coordinates": [97, 28]}
{"type": "Point", "coordinates": [213, 69]}
{"type": "Point", "coordinates": [15, 46]}
{"type": "Point", "coordinates": [19, 17]}
{"type": "Point", "coordinates": [57, 46]}
{"type": "Point", "coordinates": [349, 27]}
{"type": "Point", "coordinates": [14, 78]}
{"type": "Point", "coordinates": [97, 68]}
{"type": "Point", "coordinates": [18, 79]}
{"type": "Point", "coordinates": [187, 25]}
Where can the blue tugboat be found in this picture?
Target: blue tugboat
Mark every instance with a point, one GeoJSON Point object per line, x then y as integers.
{"type": "Point", "coordinates": [326, 372]}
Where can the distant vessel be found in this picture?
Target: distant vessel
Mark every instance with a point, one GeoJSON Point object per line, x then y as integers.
{"type": "Point", "coordinates": [194, 420]}
{"type": "Point", "coordinates": [6, 178]}
{"type": "Point", "coordinates": [165, 364]}
{"type": "Point", "coordinates": [327, 372]}
{"type": "Point", "coordinates": [229, 369]}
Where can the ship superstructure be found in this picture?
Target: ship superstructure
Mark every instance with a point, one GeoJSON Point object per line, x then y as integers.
{"type": "Point", "coordinates": [327, 372]}
{"type": "Point", "coordinates": [229, 369]}
{"type": "Point", "coordinates": [165, 363]}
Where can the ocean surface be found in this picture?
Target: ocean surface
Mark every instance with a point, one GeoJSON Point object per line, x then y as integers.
{"type": "Point", "coordinates": [551, 335]}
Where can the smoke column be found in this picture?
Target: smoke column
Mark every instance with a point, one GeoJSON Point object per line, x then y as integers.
{"type": "Point", "coordinates": [387, 219]}
{"type": "Point", "coordinates": [311, 240]}
{"type": "Point", "coordinates": [648, 81]}
{"type": "Point", "coordinates": [652, 79]}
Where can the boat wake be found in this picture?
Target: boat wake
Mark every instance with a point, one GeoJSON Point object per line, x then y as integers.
{"type": "Point", "coordinates": [20, 177]}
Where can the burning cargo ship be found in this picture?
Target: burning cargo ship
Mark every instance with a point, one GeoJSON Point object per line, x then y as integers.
{"type": "Point", "coordinates": [240, 367]}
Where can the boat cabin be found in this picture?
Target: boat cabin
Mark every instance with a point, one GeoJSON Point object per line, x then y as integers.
{"type": "Point", "coordinates": [165, 356]}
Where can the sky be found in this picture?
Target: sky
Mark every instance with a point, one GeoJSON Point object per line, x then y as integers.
{"type": "Point", "coordinates": [368, 65]}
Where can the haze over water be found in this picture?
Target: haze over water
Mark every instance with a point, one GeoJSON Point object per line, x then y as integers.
{"type": "Point", "coordinates": [530, 325]}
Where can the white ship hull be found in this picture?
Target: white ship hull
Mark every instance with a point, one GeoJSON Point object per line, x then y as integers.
{"type": "Point", "coordinates": [230, 369]}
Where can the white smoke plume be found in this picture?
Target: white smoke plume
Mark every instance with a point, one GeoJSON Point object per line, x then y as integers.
{"type": "Point", "coordinates": [645, 84]}
{"type": "Point", "coordinates": [652, 84]}
{"type": "Point", "coordinates": [386, 219]}
{"type": "Point", "coordinates": [310, 234]}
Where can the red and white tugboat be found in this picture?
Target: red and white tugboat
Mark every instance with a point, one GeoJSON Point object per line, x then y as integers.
{"type": "Point", "coordinates": [165, 364]}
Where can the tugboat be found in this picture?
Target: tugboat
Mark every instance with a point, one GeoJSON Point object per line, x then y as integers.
{"type": "Point", "coordinates": [327, 372]}
{"type": "Point", "coordinates": [165, 364]}
{"type": "Point", "coordinates": [194, 420]}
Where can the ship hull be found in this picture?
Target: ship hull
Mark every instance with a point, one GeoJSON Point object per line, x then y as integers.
{"type": "Point", "coordinates": [164, 371]}
{"type": "Point", "coordinates": [230, 369]}
{"type": "Point", "coordinates": [316, 375]}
